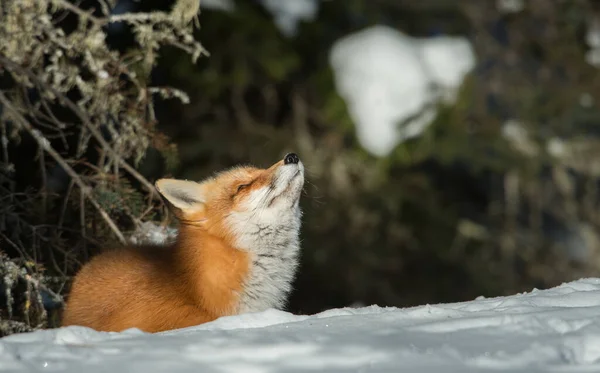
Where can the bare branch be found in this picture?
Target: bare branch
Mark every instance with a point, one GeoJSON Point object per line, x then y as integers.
{"type": "Point", "coordinates": [67, 89]}
{"type": "Point", "coordinates": [45, 145]}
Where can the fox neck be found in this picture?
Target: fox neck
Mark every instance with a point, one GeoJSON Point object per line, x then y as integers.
{"type": "Point", "coordinates": [273, 255]}
{"type": "Point", "coordinates": [211, 271]}
{"type": "Point", "coordinates": [249, 272]}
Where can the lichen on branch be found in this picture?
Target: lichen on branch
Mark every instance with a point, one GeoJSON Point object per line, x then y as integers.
{"type": "Point", "coordinates": [88, 108]}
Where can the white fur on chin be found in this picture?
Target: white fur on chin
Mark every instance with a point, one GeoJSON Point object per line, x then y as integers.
{"type": "Point", "coordinates": [269, 230]}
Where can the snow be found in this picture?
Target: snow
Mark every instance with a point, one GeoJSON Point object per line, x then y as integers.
{"type": "Point", "coordinates": [593, 41]}
{"type": "Point", "coordinates": [518, 136]}
{"type": "Point", "coordinates": [220, 5]}
{"type": "Point", "coordinates": [555, 330]}
{"type": "Point", "coordinates": [151, 233]}
{"type": "Point", "coordinates": [288, 13]}
{"type": "Point", "coordinates": [556, 147]}
{"type": "Point", "coordinates": [447, 60]}
{"type": "Point", "coordinates": [391, 82]}
{"type": "Point", "coordinates": [510, 6]}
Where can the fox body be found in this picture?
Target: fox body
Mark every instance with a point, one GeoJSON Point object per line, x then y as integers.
{"type": "Point", "coordinates": [236, 251]}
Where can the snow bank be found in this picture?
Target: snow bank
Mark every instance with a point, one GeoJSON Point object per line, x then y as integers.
{"type": "Point", "coordinates": [542, 331]}
{"type": "Point", "coordinates": [391, 82]}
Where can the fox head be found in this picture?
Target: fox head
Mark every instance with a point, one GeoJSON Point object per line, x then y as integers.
{"type": "Point", "coordinates": [247, 206]}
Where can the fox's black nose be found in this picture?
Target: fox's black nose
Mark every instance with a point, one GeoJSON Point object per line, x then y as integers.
{"type": "Point", "coordinates": [291, 158]}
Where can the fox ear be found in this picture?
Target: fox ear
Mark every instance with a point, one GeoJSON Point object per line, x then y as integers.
{"type": "Point", "coordinates": [187, 196]}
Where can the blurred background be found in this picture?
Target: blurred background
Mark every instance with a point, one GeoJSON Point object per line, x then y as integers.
{"type": "Point", "coordinates": [452, 147]}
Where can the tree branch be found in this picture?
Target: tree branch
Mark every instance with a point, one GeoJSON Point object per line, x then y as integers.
{"type": "Point", "coordinates": [86, 121]}
{"type": "Point", "coordinates": [44, 144]}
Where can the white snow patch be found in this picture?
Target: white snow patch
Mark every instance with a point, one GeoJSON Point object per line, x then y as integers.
{"type": "Point", "coordinates": [510, 6]}
{"type": "Point", "coordinates": [518, 136]}
{"type": "Point", "coordinates": [593, 57]}
{"type": "Point", "coordinates": [222, 5]}
{"type": "Point", "coordinates": [555, 330]}
{"type": "Point", "coordinates": [287, 13]}
{"type": "Point", "coordinates": [593, 41]}
{"type": "Point", "coordinates": [556, 147]}
{"type": "Point", "coordinates": [391, 82]}
{"type": "Point", "coordinates": [447, 60]}
{"type": "Point", "coordinates": [592, 36]}
{"type": "Point", "coordinates": [151, 233]}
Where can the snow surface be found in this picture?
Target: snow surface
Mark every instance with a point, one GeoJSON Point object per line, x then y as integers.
{"type": "Point", "coordinates": [391, 82]}
{"type": "Point", "coordinates": [555, 330]}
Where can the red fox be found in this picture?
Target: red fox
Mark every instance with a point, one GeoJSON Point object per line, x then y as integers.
{"type": "Point", "coordinates": [236, 251]}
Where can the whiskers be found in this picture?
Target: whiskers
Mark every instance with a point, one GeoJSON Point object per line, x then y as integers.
{"type": "Point", "coordinates": [316, 196]}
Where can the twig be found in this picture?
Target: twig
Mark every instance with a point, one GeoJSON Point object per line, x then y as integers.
{"type": "Point", "coordinates": [12, 267]}
{"type": "Point", "coordinates": [4, 142]}
{"type": "Point", "coordinates": [63, 210]}
{"type": "Point", "coordinates": [77, 10]}
{"type": "Point", "coordinates": [16, 247]}
{"type": "Point", "coordinates": [42, 160]}
{"type": "Point", "coordinates": [45, 145]}
{"type": "Point", "coordinates": [83, 117]}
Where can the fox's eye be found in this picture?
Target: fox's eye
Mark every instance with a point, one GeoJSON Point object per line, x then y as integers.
{"type": "Point", "coordinates": [241, 187]}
